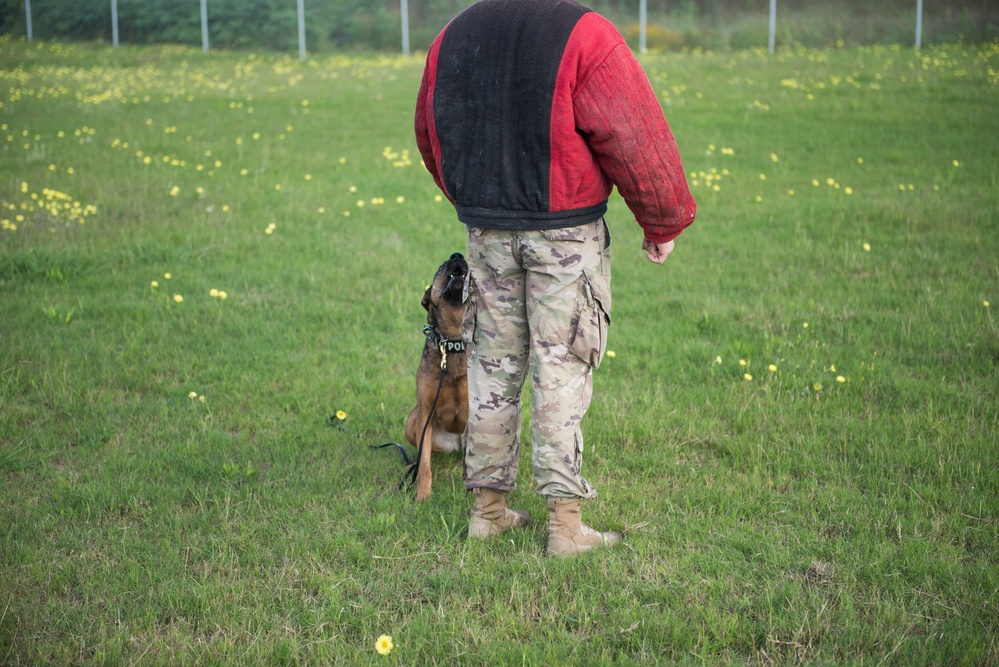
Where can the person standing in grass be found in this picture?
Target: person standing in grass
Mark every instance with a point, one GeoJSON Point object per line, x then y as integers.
{"type": "Point", "coordinates": [528, 113]}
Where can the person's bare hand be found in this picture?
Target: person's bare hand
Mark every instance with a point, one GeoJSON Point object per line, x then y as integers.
{"type": "Point", "coordinates": [657, 252]}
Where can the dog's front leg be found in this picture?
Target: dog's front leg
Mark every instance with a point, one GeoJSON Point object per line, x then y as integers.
{"type": "Point", "coordinates": [423, 476]}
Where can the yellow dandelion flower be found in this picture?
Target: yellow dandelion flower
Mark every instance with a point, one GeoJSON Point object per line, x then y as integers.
{"type": "Point", "coordinates": [360, 203]}
{"type": "Point", "coordinates": [167, 276]}
{"type": "Point", "coordinates": [763, 177]}
{"type": "Point", "coordinates": [352, 188]}
{"type": "Point", "coordinates": [384, 644]}
{"type": "Point", "coordinates": [201, 398]}
{"type": "Point", "coordinates": [815, 182]}
{"type": "Point", "coordinates": [308, 177]}
{"type": "Point", "coordinates": [772, 368]}
{"type": "Point", "coordinates": [774, 158]}
{"type": "Point", "coordinates": [817, 386]}
{"type": "Point", "coordinates": [718, 359]}
{"type": "Point", "coordinates": [321, 210]}
{"type": "Point", "coordinates": [804, 325]}
{"type": "Point", "coordinates": [346, 214]}
{"type": "Point", "coordinates": [174, 191]}
{"type": "Point", "coordinates": [867, 246]}
{"type": "Point", "coordinates": [742, 362]}
{"type": "Point", "coordinates": [225, 208]}
{"type": "Point", "coordinates": [154, 284]}
{"type": "Point", "coordinates": [748, 377]}
{"type": "Point", "coordinates": [343, 160]}
{"type": "Point", "coordinates": [213, 293]}
{"type": "Point", "coordinates": [438, 198]}
{"type": "Point", "coordinates": [178, 298]}
{"type": "Point", "coordinates": [860, 160]}
{"type": "Point", "coordinates": [223, 295]}
{"type": "Point", "coordinates": [193, 394]}
{"type": "Point", "coordinates": [400, 199]}
{"type": "Point", "coordinates": [985, 303]}
{"type": "Point", "coordinates": [611, 353]}
{"type": "Point", "coordinates": [956, 163]}
{"type": "Point", "coordinates": [341, 415]}
{"type": "Point", "coordinates": [848, 190]}
{"type": "Point", "coordinates": [840, 379]}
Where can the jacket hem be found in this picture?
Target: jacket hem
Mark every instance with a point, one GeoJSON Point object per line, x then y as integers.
{"type": "Point", "coordinates": [504, 219]}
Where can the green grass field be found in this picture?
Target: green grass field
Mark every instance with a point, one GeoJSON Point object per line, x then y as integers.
{"type": "Point", "coordinates": [204, 257]}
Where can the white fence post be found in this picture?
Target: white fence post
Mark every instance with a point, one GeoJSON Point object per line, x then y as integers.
{"type": "Point", "coordinates": [27, 16]}
{"type": "Point", "coordinates": [919, 23]}
{"type": "Point", "coordinates": [643, 15]}
{"type": "Point", "coordinates": [301, 29]}
{"type": "Point", "coordinates": [204, 25]}
{"type": "Point", "coordinates": [114, 23]}
{"type": "Point", "coordinates": [404, 10]}
{"type": "Point", "coordinates": [772, 43]}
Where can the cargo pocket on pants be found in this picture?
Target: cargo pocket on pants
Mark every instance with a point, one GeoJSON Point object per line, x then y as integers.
{"type": "Point", "coordinates": [590, 322]}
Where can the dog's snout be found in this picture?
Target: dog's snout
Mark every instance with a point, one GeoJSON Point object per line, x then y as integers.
{"type": "Point", "coordinates": [457, 255]}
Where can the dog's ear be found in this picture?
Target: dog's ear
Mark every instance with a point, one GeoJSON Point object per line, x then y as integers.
{"type": "Point", "coordinates": [426, 299]}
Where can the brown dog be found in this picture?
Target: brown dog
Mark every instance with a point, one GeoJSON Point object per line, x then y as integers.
{"type": "Point", "coordinates": [441, 427]}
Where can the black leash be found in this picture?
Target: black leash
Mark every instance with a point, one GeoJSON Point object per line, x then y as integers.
{"type": "Point", "coordinates": [444, 345]}
{"type": "Point", "coordinates": [402, 450]}
{"type": "Point", "coordinates": [414, 468]}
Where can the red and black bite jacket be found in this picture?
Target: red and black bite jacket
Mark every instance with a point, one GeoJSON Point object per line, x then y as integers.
{"type": "Point", "coordinates": [531, 110]}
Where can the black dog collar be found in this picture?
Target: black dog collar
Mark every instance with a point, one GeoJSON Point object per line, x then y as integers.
{"type": "Point", "coordinates": [444, 344]}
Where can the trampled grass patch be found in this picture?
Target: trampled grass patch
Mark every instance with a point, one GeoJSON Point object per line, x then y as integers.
{"type": "Point", "coordinates": [203, 258]}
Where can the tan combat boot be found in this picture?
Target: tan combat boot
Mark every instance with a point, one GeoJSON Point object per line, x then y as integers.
{"type": "Point", "coordinates": [568, 535]}
{"type": "Point", "coordinates": [491, 516]}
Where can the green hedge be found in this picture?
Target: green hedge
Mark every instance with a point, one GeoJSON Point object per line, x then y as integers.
{"type": "Point", "coordinates": [233, 24]}
{"type": "Point", "coordinates": [376, 24]}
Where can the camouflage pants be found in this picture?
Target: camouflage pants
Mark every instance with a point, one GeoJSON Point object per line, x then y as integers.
{"type": "Point", "coordinates": [536, 301]}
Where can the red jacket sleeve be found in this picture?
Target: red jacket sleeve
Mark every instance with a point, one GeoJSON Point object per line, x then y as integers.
{"type": "Point", "coordinates": [426, 132]}
{"type": "Point", "coordinates": [618, 113]}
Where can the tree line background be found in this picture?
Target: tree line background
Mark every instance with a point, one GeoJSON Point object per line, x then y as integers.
{"type": "Point", "coordinates": [376, 25]}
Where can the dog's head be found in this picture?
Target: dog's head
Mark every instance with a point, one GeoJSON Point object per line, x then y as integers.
{"type": "Point", "coordinates": [443, 299]}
